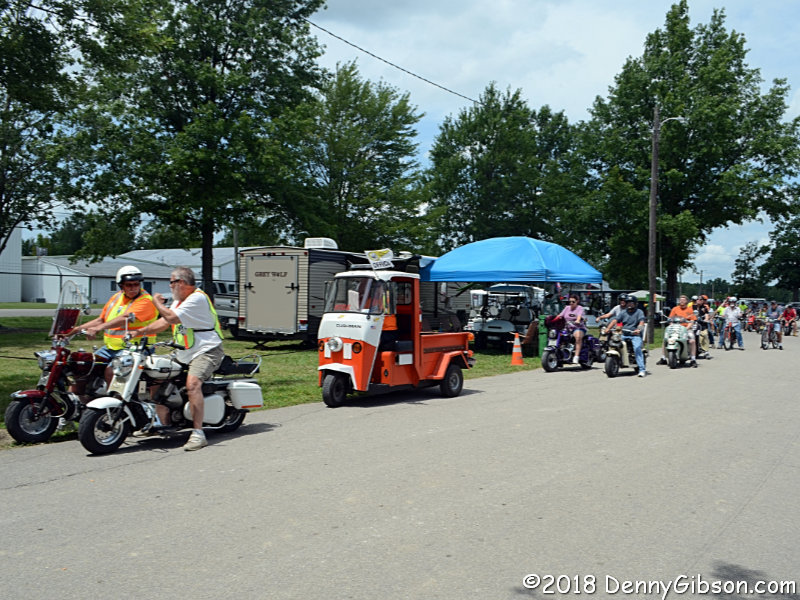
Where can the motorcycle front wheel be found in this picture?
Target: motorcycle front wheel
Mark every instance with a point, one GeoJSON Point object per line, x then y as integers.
{"type": "Point", "coordinates": [729, 340]}
{"type": "Point", "coordinates": [549, 361]}
{"type": "Point", "coordinates": [97, 433]}
{"type": "Point", "coordinates": [27, 425]}
{"type": "Point", "coordinates": [672, 359]}
{"type": "Point", "coordinates": [612, 366]}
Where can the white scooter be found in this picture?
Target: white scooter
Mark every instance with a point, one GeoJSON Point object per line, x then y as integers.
{"type": "Point", "coordinates": [106, 422]}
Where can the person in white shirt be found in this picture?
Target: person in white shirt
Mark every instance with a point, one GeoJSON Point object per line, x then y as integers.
{"type": "Point", "coordinates": [196, 328]}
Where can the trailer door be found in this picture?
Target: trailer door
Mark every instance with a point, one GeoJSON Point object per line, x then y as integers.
{"type": "Point", "coordinates": [272, 293]}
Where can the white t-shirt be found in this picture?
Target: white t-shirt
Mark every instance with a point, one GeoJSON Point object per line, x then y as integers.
{"type": "Point", "coordinates": [195, 313]}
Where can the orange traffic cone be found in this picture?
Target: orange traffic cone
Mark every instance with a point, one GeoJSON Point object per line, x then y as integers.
{"type": "Point", "coordinates": [516, 353]}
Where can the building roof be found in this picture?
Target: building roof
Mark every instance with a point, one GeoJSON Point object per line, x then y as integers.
{"type": "Point", "coordinates": [176, 257]}
{"type": "Point", "coordinates": [107, 267]}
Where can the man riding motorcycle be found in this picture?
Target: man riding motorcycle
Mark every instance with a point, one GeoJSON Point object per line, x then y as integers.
{"type": "Point", "coordinates": [633, 318]}
{"type": "Point", "coordinates": [733, 315]}
{"type": "Point", "coordinates": [683, 310]}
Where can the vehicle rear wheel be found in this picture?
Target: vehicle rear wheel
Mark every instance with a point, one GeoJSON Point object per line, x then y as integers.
{"type": "Point", "coordinates": [453, 382]}
{"type": "Point", "coordinates": [233, 420]}
{"type": "Point", "coordinates": [612, 366]}
{"type": "Point", "coordinates": [27, 425]}
{"type": "Point", "coordinates": [549, 361]}
{"type": "Point", "coordinates": [334, 389]}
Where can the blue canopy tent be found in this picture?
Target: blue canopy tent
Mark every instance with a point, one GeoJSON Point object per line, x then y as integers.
{"type": "Point", "coordinates": [507, 259]}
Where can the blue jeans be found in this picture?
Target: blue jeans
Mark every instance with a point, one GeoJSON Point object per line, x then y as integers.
{"type": "Point", "coordinates": [636, 340]}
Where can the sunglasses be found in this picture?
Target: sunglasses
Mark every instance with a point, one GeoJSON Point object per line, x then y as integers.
{"type": "Point", "coordinates": [174, 281]}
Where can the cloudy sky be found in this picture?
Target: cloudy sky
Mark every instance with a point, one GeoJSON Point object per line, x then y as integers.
{"type": "Point", "coordinates": [562, 53]}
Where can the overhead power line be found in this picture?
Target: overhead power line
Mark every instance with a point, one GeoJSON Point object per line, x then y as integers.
{"type": "Point", "coordinates": [391, 64]}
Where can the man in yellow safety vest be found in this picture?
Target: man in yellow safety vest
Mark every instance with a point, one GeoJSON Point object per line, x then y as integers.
{"type": "Point", "coordinates": [196, 328]}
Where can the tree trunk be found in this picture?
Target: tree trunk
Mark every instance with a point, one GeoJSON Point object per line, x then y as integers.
{"type": "Point", "coordinates": [207, 231]}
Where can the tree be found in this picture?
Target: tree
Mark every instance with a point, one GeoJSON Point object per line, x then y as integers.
{"type": "Point", "coordinates": [357, 152]}
{"type": "Point", "coordinates": [747, 272]}
{"type": "Point", "coordinates": [783, 261]}
{"type": "Point", "coordinates": [44, 47]}
{"type": "Point", "coordinates": [187, 136]}
{"type": "Point", "coordinates": [733, 157]}
{"type": "Point", "coordinates": [35, 91]}
{"type": "Point", "coordinates": [500, 169]}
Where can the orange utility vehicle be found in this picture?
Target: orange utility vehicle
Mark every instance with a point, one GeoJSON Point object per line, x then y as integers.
{"type": "Point", "coordinates": [372, 339]}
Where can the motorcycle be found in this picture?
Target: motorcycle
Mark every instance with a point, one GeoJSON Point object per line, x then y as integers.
{"type": "Point", "coordinates": [139, 374]}
{"type": "Point", "coordinates": [769, 337]}
{"type": "Point", "coordinates": [620, 353]}
{"type": "Point", "coordinates": [561, 347]}
{"type": "Point", "coordinates": [676, 339]}
{"type": "Point", "coordinates": [728, 336]}
{"type": "Point", "coordinates": [34, 415]}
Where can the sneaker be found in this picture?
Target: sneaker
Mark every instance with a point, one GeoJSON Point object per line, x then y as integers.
{"type": "Point", "coordinates": [741, 347]}
{"type": "Point", "coordinates": [196, 441]}
{"type": "Point", "coordinates": [574, 360]}
{"type": "Point", "coordinates": [642, 373]}
{"type": "Point", "coordinates": [662, 361]}
{"type": "Point", "coordinates": [694, 364]}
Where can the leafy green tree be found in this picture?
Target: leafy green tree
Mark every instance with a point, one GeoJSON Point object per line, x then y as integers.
{"type": "Point", "coordinates": [356, 152]}
{"type": "Point", "coordinates": [747, 271]}
{"type": "Point", "coordinates": [44, 48]}
{"type": "Point", "coordinates": [782, 262]}
{"type": "Point", "coordinates": [732, 157]}
{"type": "Point", "coordinates": [501, 168]}
{"type": "Point", "coordinates": [187, 135]}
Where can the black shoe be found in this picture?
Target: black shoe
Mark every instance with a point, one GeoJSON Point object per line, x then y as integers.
{"type": "Point", "coordinates": [694, 364]}
{"type": "Point", "coordinates": [662, 361]}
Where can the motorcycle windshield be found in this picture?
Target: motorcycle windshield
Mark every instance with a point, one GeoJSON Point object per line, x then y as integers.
{"type": "Point", "coordinates": [359, 295]}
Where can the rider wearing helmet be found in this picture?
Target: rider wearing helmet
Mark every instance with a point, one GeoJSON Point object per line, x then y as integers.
{"type": "Point", "coordinates": [733, 315]}
{"type": "Point", "coordinates": [130, 300]}
{"type": "Point", "coordinates": [632, 320]}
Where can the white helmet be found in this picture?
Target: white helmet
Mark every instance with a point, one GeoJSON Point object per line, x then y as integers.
{"type": "Point", "coordinates": [128, 273]}
{"type": "Point", "coordinates": [732, 299]}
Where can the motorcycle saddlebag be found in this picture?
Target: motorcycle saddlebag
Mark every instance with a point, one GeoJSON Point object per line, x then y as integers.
{"type": "Point", "coordinates": [245, 395]}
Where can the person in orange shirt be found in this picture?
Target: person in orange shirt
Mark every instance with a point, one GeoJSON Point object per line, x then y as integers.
{"type": "Point", "coordinates": [683, 310]}
{"type": "Point", "coordinates": [130, 300]}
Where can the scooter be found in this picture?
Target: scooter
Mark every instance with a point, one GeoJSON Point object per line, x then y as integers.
{"type": "Point", "coordinates": [106, 422]}
{"type": "Point", "coordinates": [561, 347]}
{"type": "Point", "coordinates": [676, 338]}
{"type": "Point", "coordinates": [620, 352]}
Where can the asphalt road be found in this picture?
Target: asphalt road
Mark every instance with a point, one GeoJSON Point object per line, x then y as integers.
{"type": "Point", "coordinates": [689, 473]}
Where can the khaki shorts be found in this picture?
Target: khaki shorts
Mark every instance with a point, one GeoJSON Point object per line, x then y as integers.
{"type": "Point", "coordinates": [203, 365]}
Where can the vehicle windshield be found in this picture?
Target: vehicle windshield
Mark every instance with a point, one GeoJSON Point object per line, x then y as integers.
{"type": "Point", "coordinates": [358, 294]}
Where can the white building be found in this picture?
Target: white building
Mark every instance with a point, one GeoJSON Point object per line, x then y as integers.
{"type": "Point", "coordinates": [10, 268]}
{"type": "Point", "coordinates": [43, 276]}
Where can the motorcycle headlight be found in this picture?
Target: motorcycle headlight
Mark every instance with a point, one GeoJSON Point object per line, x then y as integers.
{"type": "Point", "coordinates": [45, 359]}
{"type": "Point", "coordinates": [552, 334]}
{"type": "Point", "coordinates": [616, 337]}
{"type": "Point", "coordinates": [122, 365]}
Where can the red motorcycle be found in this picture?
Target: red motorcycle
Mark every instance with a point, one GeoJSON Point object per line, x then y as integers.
{"type": "Point", "coordinates": [34, 415]}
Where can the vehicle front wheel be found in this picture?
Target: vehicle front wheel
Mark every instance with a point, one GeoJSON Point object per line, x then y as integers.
{"type": "Point", "coordinates": [98, 434]}
{"type": "Point", "coordinates": [672, 359]}
{"type": "Point", "coordinates": [612, 366]}
{"type": "Point", "coordinates": [453, 382]}
{"type": "Point", "coordinates": [27, 425]}
{"type": "Point", "coordinates": [549, 361]}
{"type": "Point", "coordinates": [334, 389]}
